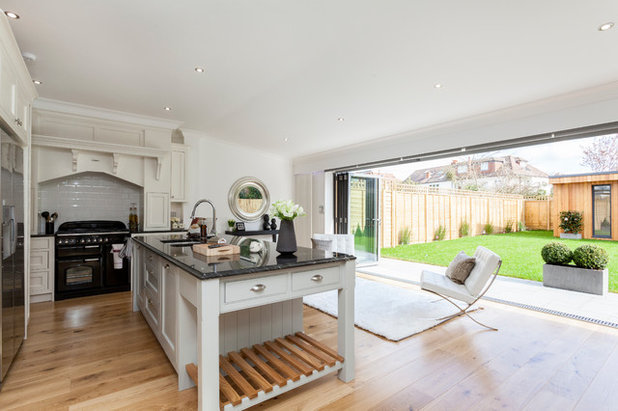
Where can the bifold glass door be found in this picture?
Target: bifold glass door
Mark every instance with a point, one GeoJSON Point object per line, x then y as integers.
{"type": "Point", "coordinates": [364, 217]}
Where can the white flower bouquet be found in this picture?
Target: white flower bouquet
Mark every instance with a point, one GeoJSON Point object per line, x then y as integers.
{"type": "Point", "coordinates": [286, 210]}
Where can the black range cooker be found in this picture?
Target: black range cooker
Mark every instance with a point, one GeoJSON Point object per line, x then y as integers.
{"type": "Point", "coordinates": [85, 258]}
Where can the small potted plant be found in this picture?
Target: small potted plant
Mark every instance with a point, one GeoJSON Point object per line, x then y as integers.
{"type": "Point", "coordinates": [286, 211]}
{"type": "Point", "coordinates": [231, 224]}
{"type": "Point", "coordinates": [588, 275]}
{"type": "Point", "coordinates": [571, 222]}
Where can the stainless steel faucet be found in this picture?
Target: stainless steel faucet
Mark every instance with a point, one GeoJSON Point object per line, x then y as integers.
{"type": "Point", "coordinates": [214, 214]}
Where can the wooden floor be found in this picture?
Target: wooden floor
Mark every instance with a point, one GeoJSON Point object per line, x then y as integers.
{"type": "Point", "coordinates": [94, 353]}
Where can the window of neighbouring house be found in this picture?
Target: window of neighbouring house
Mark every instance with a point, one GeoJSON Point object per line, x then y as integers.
{"type": "Point", "coordinates": [484, 166]}
{"type": "Point", "coordinates": [601, 211]}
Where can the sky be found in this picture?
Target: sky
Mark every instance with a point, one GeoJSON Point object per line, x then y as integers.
{"type": "Point", "coordinates": [563, 157]}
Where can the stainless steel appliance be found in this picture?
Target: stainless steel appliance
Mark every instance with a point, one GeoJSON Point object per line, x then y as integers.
{"type": "Point", "coordinates": [12, 239]}
{"type": "Point", "coordinates": [85, 259]}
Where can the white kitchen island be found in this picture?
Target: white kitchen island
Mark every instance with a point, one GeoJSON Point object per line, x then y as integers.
{"type": "Point", "coordinates": [235, 324]}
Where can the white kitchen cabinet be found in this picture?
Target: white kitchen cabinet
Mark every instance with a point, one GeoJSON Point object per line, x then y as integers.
{"type": "Point", "coordinates": [157, 211]}
{"type": "Point", "coordinates": [41, 269]}
{"type": "Point", "coordinates": [178, 189]}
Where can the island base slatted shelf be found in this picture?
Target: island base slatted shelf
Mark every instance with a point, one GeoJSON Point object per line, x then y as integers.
{"type": "Point", "coordinates": [253, 375]}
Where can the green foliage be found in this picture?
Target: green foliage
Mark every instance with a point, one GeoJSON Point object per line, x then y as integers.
{"type": "Point", "coordinates": [556, 253]}
{"type": "Point", "coordinates": [508, 228]}
{"type": "Point", "coordinates": [440, 233]}
{"type": "Point", "coordinates": [231, 223]}
{"type": "Point", "coordinates": [250, 192]}
{"type": "Point", "coordinates": [404, 236]}
{"type": "Point", "coordinates": [590, 256]}
{"type": "Point", "coordinates": [488, 228]}
{"type": "Point", "coordinates": [464, 229]}
{"type": "Point", "coordinates": [571, 221]}
{"type": "Point", "coordinates": [521, 226]}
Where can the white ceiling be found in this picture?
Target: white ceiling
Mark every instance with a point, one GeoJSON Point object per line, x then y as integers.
{"type": "Point", "coordinates": [291, 68]}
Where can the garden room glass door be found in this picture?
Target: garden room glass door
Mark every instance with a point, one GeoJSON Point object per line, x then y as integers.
{"type": "Point", "coordinates": [364, 218]}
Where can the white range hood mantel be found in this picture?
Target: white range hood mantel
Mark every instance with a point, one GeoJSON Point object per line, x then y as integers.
{"type": "Point", "coordinates": [116, 150]}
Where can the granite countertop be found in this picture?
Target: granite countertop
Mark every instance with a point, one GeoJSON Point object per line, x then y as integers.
{"type": "Point", "coordinates": [41, 235]}
{"type": "Point", "coordinates": [206, 268]}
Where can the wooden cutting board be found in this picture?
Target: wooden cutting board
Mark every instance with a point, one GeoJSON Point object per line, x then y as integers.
{"type": "Point", "coordinates": [224, 249]}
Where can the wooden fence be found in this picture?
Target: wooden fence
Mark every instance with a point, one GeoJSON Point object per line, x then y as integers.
{"type": "Point", "coordinates": [421, 210]}
{"type": "Point", "coordinates": [538, 214]}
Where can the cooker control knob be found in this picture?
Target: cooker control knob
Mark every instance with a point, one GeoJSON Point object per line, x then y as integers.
{"type": "Point", "coordinates": [82, 241]}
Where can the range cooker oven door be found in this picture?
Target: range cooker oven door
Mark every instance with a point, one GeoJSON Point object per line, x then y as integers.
{"type": "Point", "coordinates": [78, 251]}
{"type": "Point", "coordinates": [79, 274]}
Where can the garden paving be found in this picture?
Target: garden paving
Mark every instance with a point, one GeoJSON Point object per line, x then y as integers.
{"type": "Point", "coordinates": [514, 291]}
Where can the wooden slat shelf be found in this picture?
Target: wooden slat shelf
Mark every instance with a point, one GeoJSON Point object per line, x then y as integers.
{"type": "Point", "coordinates": [255, 374]}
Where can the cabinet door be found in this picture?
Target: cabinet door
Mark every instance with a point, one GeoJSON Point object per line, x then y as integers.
{"type": "Point", "coordinates": [157, 213]}
{"type": "Point", "coordinates": [20, 113]}
{"type": "Point", "coordinates": [168, 308]}
{"type": "Point", "coordinates": [177, 189]}
{"type": "Point", "coordinates": [7, 89]}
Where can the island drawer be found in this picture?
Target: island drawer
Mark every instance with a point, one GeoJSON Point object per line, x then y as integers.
{"type": "Point", "coordinates": [324, 278]}
{"type": "Point", "coordinates": [152, 276]}
{"type": "Point", "coordinates": [261, 288]}
{"type": "Point", "coordinates": [153, 306]}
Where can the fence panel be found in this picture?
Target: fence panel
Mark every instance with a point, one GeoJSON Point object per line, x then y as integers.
{"type": "Point", "coordinates": [538, 214]}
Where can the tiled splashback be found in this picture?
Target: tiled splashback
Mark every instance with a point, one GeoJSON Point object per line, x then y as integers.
{"type": "Point", "coordinates": [89, 196]}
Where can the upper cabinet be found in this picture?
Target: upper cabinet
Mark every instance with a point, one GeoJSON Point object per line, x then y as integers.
{"type": "Point", "coordinates": [16, 89]}
{"type": "Point", "coordinates": [178, 187]}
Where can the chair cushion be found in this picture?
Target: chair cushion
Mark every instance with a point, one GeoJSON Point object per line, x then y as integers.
{"type": "Point", "coordinates": [438, 283]}
{"type": "Point", "coordinates": [459, 269]}
{"type": "Point", "coordinates": [486, 263]}
{"type": "Point", "coordinates": [326, 245]}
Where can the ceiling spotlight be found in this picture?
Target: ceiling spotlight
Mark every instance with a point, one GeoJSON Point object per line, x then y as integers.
{"type": "Point", "coordinates": [341, 119]}
{"type": "Point", "coordinates": [11, 15]}
{"type": "Point", "coordinates": [166, 108]}
{"type": "Point", "coordinates": [463, 149]}
{"type": "Point", "coordinates": [606, 26]}
{"type": "Point", "coordinates": [37, 82]}
{"type": "Point", "coordinates": [285, 140]}
{"type": "Point", "coordinates": [438, 85]}
{"type": "Point", "coordinates": [199, 69]}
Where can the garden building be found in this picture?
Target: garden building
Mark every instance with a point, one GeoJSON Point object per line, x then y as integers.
{"type": "Point", "coordinates": [595, 195]}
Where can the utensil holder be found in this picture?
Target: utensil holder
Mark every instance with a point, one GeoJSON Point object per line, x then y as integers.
{"type": "Point", "coordinates": [49, 227]}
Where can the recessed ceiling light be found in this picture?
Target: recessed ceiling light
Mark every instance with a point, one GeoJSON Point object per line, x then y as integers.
{"type": "Point", "coordinates": [11, 15]}
{"type": "Point", "coordinates": [341, 119]}
{"type": "Point", "coordinates": [606, 26]}
{"type": "Point", "coordinates": [438, 85]}
{"type": "Point", "coordinates": [285, 140]}
{"type": "Point", "coordinates": [463, 149]}
{"type": "Point", "coordinates": [166, 108]}
{"type": "Point", "coordinates": [37, 82]}
{"type": "Point", "coordinates": [199, 69]}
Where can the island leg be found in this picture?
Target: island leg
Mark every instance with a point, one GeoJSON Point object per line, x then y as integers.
{"type": "Point", "coordinates": [208, 345]}
{"type": "Point", "coordinates": [345, 322]}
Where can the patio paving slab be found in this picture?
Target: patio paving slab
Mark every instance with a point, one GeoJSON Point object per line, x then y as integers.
{"type": "Point", "coordinates": [514, 291]}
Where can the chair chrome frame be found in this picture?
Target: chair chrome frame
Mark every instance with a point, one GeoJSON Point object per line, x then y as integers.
{"type": "Point", "coordinates": [466, 310]}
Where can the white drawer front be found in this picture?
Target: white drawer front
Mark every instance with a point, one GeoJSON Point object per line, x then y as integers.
{"type": "Point", "coordinates": [39, 260]}
{"type": "Point", "coordinates": [153, 306]}
{"type": "Point", "coordinates": [261, 288]}
{"type": "Point", "coordinates": [316, 279]}
{"type": "Point", "coordinates": [41, 243]}
{"type": "Point", "coordinates": [39, 282]}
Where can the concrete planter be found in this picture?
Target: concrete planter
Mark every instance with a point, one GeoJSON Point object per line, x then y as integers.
{"type": "Point", "coordinates": [569, 277]}
{"type": "Point", "coordinates": [571, 236]}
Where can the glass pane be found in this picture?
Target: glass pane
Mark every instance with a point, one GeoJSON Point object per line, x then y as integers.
{"type": "Point", "coordinates": [78, 275]}
{"type": "Point", "coordinates": [363, 221]}
{"type": "Point", "coordinates": [601, 199]}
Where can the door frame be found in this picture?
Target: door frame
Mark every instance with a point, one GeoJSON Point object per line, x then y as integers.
{"type": "Point", "coordinates": [378, 219]}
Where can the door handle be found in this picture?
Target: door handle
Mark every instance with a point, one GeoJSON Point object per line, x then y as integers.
{"type": "Point", "coordinates": [88, 260]}
{"type": "Point", "coordinates": [90, 246]}
{"type": "Point", "coordinates": [317, 278]}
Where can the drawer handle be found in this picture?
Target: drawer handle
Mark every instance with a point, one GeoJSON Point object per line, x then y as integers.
{"type": "Point", "coordinates": [317, 278]}
{"type": "Point", "coordinates": [258, 288]}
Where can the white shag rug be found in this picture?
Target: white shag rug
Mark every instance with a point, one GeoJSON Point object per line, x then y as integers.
{"type": "Point", "coordinates": [387, 310]}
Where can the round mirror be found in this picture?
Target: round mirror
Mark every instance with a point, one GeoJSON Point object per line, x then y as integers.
{"type": "Point", "coordinates": [248, 199]}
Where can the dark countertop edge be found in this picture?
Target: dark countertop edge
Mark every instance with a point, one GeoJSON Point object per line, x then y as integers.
{"type": "Point", "coordinates": [158, 232]}
{"type": "Point", "coordinates": [41, 235]}
{"type": "Point", "coordinates": [229, 273]}
{"type": "Point", "coordinates": [249, 233]}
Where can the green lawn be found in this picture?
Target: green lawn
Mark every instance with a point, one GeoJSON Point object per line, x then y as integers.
{"type": "Point", "coordinates": [520, 252]}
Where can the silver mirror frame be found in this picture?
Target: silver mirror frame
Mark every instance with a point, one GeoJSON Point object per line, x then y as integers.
{"type": "Point", "coordinates": [235, 190]}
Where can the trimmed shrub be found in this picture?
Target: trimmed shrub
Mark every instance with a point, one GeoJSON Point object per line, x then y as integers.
{"type": "Point", "coordinates": [488, 228]}
{"type": "Point", "coordinates": [404, 236]}
{"type": "Point", "coordinates": [571, 221]}
{"type": "Point", "coordinates": [556, 253]}
{"type": "Point", "coordinates": [440, 233]}
{"type": "Point", "coordinates": [590, 256]}
{"type": "Point", "coordinates": [508, 228]}
{"type": "Point", "coordinates": [464, 229]}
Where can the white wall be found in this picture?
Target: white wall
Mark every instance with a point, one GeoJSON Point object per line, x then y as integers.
{"type": "Point", "coordinates": [214, 165]}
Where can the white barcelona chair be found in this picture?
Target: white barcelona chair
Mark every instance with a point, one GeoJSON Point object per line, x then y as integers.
{"type": "Point", "coordinates": [476, 285]}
